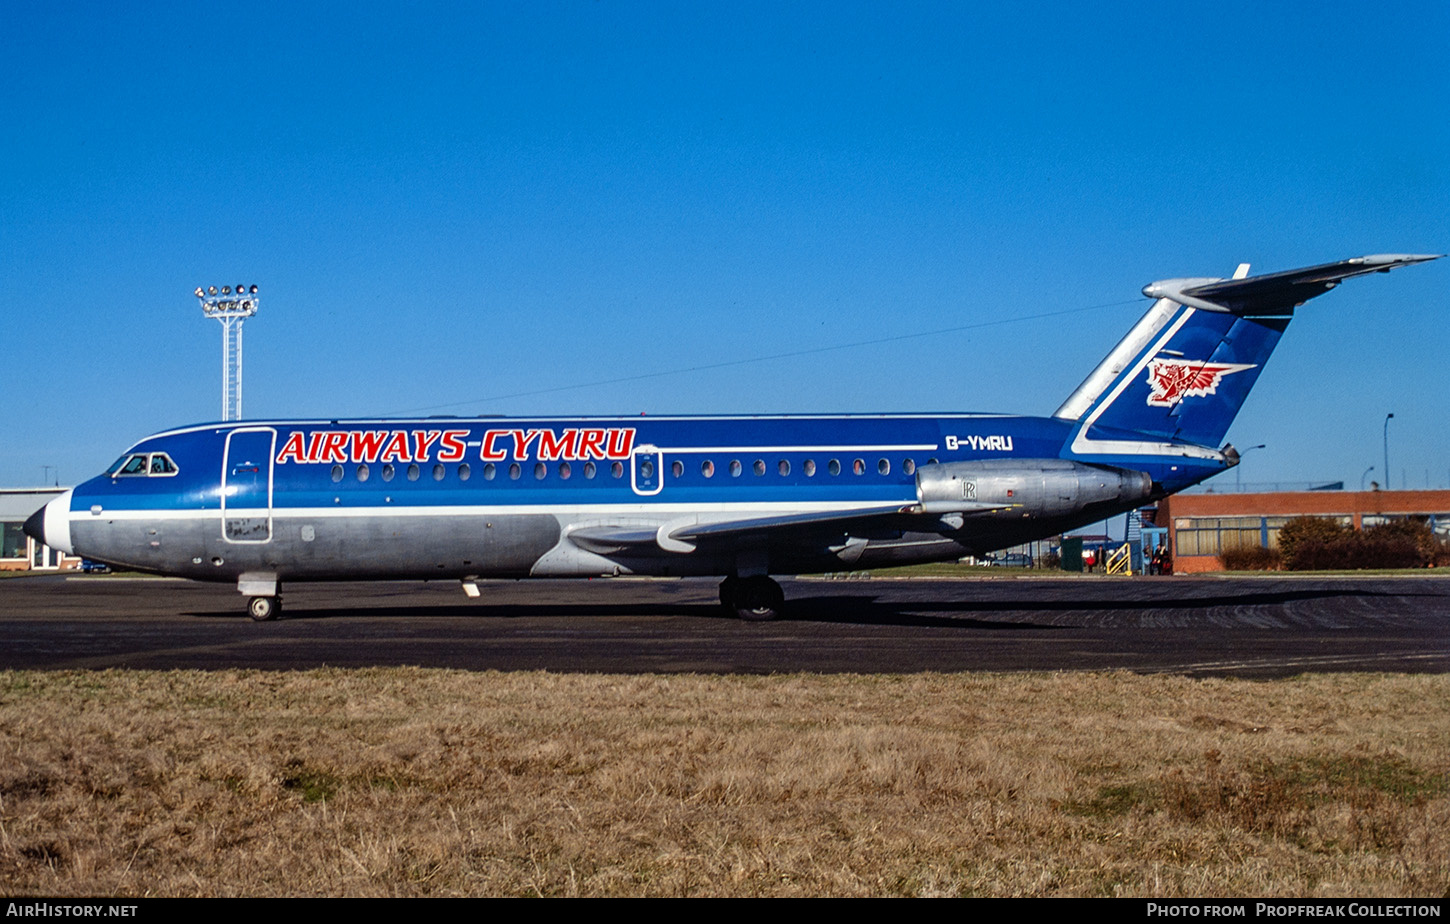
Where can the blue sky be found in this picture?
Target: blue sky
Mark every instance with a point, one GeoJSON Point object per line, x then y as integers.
{"type": "Point", "coordinates": [495, 207]}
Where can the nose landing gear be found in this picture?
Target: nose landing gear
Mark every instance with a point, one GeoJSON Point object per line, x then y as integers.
{"type": "Point", "coordinates": [263, 609]}
{"type": "Point", "coordinates": [263, 593]}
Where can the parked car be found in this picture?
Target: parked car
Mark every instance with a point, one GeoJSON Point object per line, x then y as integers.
{"type": "Point", "coordinates": [94, 567]}
{"type": "Point", "coordinates": [1011, 560]}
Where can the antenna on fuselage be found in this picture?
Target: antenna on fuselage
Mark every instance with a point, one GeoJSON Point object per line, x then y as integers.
{"type": "Point", "coordinates": [230, 307]}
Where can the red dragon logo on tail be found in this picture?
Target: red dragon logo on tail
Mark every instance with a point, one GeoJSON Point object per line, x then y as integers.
{"type": "Point", "coordinates": [1172, 380]}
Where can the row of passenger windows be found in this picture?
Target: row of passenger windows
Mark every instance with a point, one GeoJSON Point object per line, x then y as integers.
{"type": "Point", "coordinates": [465, 471]}
{"type": "Point", "coordinates": [565, 470]}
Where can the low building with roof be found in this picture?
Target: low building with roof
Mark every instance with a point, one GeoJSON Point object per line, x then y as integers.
{"type": "Point", "coordinates": [1200, 526]}
{"type": "Point", "coordinates": [19, 552]}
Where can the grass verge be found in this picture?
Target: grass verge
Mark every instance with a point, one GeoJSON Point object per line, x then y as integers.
{"type": "Point", "coordinates": [413, 782]}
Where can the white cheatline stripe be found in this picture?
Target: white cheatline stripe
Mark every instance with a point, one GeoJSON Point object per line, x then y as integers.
{"type": "Point", "coordinates": [766, 450]}
{"type": "Point", "coordinates": [573, 510]}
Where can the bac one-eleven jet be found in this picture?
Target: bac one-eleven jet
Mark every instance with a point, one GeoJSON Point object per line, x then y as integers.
{"type": "Point", "coordinates": [260, 503]}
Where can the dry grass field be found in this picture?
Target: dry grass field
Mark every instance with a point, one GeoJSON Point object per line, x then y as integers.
{"type": "Point", "coordinates": [413, 782]}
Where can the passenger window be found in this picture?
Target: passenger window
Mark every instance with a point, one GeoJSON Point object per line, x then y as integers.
{"type": "Point", "coordinates": [540, 470]}
{"type": "Point", "coordinates": [414, 471]}
{"type": "Point", "coordinates": [362, 473]}
{"type": "Point", "coordinates": [565, 470]}
{"type": "Point", "coordinates": [489, 470]}
{"type": "Point", "coordinates": [810, 468]}
{"type": "Point", "coordinates": [883, 467]}
{"type": "Point", "coordinates": [589, 470]}
{"type": "Point", "coordinates": [617, 469]}
{"type": "Point", "coordinates": [388, 471]}
{"type": "Point", "coordinates": [707, 468]}
{"type": "Point", "coordinates": [758, 467]}
{"type": "Point", "coordinates": [514, 471]}
{"type": "Point", "coordinates": [677, 468]}
{"type": "Point", "coordinates": [464, 472]}
{"type": "Point", "coordinates": [783, 466]}
{"type": "Point", "coordinates": [834, 466]}
{"type": "Point", "coordinates": [336, 474]}
{"type": "Point", "coordinates": [858, 467]}
{"type": "Point", "coordinates": [735, 468]}
{"type": "Point", "coordinates": [909, 466]}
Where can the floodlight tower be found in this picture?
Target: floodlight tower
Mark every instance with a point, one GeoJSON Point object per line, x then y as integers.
{"type": "Point", "coordinates": [231, 307]}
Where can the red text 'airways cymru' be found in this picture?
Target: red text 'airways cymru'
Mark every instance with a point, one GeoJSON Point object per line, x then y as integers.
{"type": "Point", "coordinates": [331, 446]}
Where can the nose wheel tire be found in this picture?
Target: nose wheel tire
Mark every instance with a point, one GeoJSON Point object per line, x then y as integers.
{"type": "Point", "coordinates": [754, 599]}
{"type": "Point", "coordinates": [263, 609]}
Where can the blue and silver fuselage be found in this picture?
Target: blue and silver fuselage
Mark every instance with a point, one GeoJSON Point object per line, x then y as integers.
{"type": "Point", "coordinates": [445, 497]}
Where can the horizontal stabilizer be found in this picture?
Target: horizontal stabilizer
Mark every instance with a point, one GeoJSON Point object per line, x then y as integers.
{"type": "Point", "coordinates": [1275, 294]}
{"type": "Point", "coordinates": [1184, 370]}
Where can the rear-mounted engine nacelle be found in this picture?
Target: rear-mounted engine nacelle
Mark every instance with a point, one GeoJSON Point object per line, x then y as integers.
{"type": "Point", "coordinates": [1010, 488]}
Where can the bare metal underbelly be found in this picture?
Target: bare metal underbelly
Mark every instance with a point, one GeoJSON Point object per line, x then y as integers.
{"type": "Point", "coordinates": [324, 548]}
{"type": "Point", "coordinates": [302, 547]}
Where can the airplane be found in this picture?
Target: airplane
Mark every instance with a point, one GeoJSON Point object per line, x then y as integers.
{"type": "Point", "coordinates": [261, 503]}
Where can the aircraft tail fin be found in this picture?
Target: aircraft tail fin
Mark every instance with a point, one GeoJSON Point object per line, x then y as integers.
{"type": "Point", "coordinates": [1184, 370]}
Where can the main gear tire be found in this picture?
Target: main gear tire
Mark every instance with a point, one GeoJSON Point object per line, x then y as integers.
{"type": "Point", "coordinates": [758, 599]}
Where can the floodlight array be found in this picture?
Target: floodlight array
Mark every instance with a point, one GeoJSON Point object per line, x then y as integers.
{"type": "Point", "coordinates": [238, 302]}
{"type": "Point", "coordinates": [231, 306]}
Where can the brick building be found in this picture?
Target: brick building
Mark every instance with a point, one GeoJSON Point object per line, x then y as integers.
{"type": "Point", "coordinates": [1202, 525]}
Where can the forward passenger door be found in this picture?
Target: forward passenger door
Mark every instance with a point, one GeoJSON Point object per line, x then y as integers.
{"type": "Point", "coordinates": [247, 485]}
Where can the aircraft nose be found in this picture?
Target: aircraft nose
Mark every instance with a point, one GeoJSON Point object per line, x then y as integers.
{"type": "Point", "coordinates": [35, 525]}
{"type": "Point", "coordinates": [51, 524]}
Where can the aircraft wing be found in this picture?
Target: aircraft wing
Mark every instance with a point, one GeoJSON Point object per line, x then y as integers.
{"type": "Point", "coordinates": [680, 536]}
{"type": "Point", "coordinates": [765, 524]}
{"type": "Point", "coordinates": [613, 538]}
{"type": "Point", "coordinates": [1277, 294]}
{"type": "Point", "coordinates": [683, 537]}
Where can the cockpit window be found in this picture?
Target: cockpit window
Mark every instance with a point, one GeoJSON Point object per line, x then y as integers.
{"type": "Point", "coordinates": [156, 464]}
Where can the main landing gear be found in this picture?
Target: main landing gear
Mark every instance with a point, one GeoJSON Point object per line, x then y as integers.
{"type": "Point", "coordinates": [263, 609]}
{"type": "Point", "coordinates": [755, 598]}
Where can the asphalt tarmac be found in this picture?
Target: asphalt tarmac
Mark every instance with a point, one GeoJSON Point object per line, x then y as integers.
{"type": "Point", "coordinates": [1266, 627]}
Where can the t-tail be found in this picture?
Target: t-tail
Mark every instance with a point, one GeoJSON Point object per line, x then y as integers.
{"type": "Point", "coordinates": [1181, 374]}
